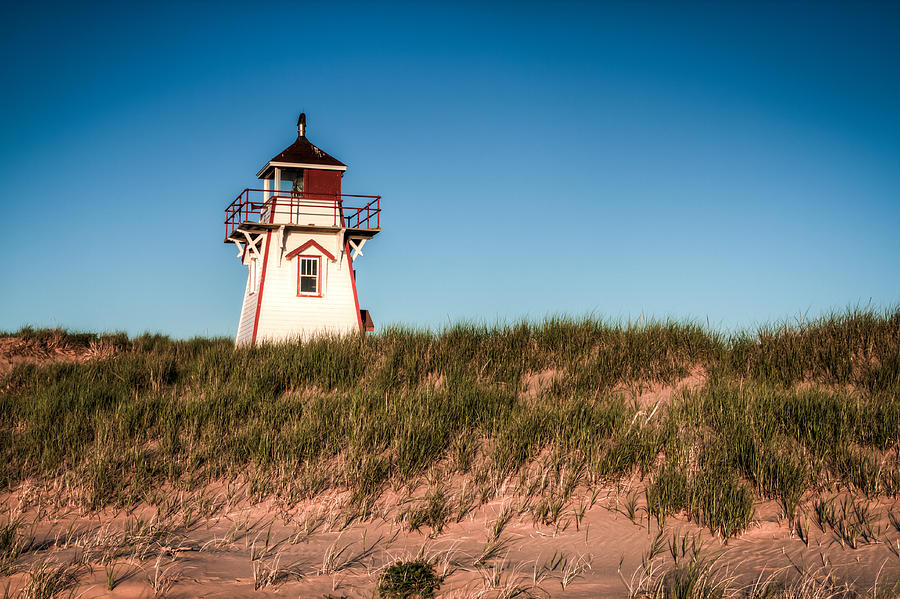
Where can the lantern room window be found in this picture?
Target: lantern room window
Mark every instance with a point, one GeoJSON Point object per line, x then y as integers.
{"type": "Point", "coordinates": [309, 276]}
{"type": "Point", "coordinates": [292, 180]}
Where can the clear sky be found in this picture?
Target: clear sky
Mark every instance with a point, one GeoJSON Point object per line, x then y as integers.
{"type": "Point", "coordinates": [739, 163]}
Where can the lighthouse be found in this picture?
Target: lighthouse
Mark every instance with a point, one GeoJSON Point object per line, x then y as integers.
{"type": "Point", "coordinates": [298, 235]}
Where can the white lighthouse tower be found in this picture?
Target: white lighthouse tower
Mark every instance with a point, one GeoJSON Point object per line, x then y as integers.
{"type": "Point", "coordinates": [298, 236]}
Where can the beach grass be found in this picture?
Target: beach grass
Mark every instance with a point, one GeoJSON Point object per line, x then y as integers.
{"type": "Point", "coordinates": [782, 412]}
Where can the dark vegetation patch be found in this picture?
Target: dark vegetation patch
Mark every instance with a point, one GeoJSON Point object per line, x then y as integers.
{"type": "Point", "coordinates": [415, 579]}
{"type": "Point", "coordinates": [784, 412]}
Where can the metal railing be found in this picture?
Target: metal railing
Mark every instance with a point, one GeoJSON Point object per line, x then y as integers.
{"type": "Point", "coordinates": [302, 208]}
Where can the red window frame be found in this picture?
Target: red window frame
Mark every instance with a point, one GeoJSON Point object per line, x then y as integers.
{"type": "Point", "coordinates": [319, 290]}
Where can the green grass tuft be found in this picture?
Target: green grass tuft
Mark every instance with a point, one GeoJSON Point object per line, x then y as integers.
{"type": "Point", "coordinates": [408, 580]}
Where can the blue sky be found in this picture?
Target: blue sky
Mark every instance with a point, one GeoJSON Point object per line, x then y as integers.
{"type": "Point", "coordinates": [736, 162]}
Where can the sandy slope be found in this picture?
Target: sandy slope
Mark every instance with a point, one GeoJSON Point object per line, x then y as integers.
{"type": "Point", "coordinates": [599, 556]}
{"type": "Point", "coordinates": [243, 549]}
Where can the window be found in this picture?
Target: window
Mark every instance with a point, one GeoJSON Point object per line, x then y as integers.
{"type": "Point", "coordinates": [309, 277]}
{"type": "Point", "coordinates": [253, 282]}
{"type": "Point", "coordinates": [292, 181]}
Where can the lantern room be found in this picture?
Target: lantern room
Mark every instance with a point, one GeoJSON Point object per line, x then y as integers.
{"type": "Point", "coordinates": [302, 183]}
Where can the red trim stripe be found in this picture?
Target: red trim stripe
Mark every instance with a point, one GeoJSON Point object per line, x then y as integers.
{"type": "Point", "coordinates": [262, 283]}
{"type": "Point", "coordinates": [306, 246]}
{"type": "Point", "coordinates": [353, 283]}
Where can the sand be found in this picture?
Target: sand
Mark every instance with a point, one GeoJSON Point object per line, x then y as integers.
{"type": "Point", "coordinates": [308, 550]}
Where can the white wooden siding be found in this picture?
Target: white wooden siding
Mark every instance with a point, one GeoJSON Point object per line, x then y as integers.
{"type": "Point", "coordinates": [284, 315]}
{"type": "Point", "coordinates": [301, 211]}
{"type": "Point", "coordinates": [248, 309]}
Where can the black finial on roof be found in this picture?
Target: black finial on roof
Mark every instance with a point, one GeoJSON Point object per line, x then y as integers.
{"type": "Point", "coordinates": [301, 125]}
{"type": "Point", "coordinates": [303, 154]}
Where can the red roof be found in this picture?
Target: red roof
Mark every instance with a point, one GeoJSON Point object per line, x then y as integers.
{"type": "Point", "coordinates": [303, 152]}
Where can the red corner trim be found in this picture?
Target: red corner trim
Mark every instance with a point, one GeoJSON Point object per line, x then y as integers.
{"type": "Point", "coordinates": [353, 284]}
{"type": "Point", "coordinates": [306, 246]}
{"type": "Point", "coordinates": [262, 284]}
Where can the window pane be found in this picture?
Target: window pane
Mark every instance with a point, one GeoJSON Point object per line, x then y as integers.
{"type": "Point", "coordinates": [308, 284]}
{"type": "Point", "coordinates": [313, 267]}
{"type": "Point", "coordinates": [292, 179]}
